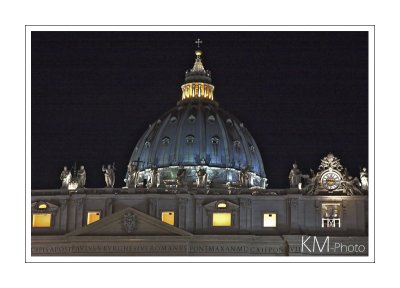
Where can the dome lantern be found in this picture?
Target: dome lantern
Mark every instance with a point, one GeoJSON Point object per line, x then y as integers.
{"type": "Point", "coordinates": [197, 80]}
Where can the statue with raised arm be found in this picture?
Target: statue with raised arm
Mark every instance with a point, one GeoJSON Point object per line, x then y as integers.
{"type": "Point", "coordinates": [81, 175]}
{"type": "Point", "coordinates": [109, 175]}
{"type": "Point", "coordinates": [312, 183]}
{"type": "Point", "coordinates": [133, 175]}
{"type": "Point", "coordinates": [65, 178]}
{"type": "Point", "coordinates": [201, 180]}
{"type": "Point", "coordinates": [181, 176]}
{"type": "Point", "coordinates": [364, 179]}
{"type": "Point", "coordinates": [244, 177]}
{"type": "Point", "coordinates": [294, 176]}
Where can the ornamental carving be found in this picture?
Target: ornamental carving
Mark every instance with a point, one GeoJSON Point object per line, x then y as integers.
{"type": "Point", "coordinates": [130, 222]}
{"type": "Point", "coordinates": [330, 161]}
{"type": "Point", "coordinates": [331, 178]}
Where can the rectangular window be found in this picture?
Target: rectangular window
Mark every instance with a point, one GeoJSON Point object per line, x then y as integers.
{"type": "Point", "coordinates": [93, 216]}
{"type": "Point", "coordinates": [168, 217]}
{"type": "Point", "coordinates": [330, 215]}
{"type": "Point", "coordinates": [222, 219]}
{"type": "Point", "coordinates": [41, 220]}
{"type": "Point", "coordinates": [269, 219]}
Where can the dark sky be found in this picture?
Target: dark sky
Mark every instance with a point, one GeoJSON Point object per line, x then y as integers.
{"type": "Point", "coordinates": [300, 94]}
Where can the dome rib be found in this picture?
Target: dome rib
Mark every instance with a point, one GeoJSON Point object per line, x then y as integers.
{"type": "Point", "coordinates": [158, 143]}
{"type": "Point", "coordinates": [225, 138]}
{"type": "Point", "coordinates": [184, 113]}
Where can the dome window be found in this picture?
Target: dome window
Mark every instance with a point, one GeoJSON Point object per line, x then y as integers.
{"type": "Point", "coordinates": [173, 120]}
{"type": "Point", "coordinates": [211, 119]}
{"type": "Point", "coordinates": [236, 144]}
{"type": "Point", "coordinates": [229, 122]}
{"type": "Point", "coordinates": [165, 140]}
{"type": "Point", "coordinates": [252, 148]}
{"type": "Point", "coordinates": [191, 118]}
{"type": "Point", "coordinates": [147, 144]}
{"type": "Point", "coordinates": [190, 139]}
{"type": "Point", "coordinates": [215, 140]}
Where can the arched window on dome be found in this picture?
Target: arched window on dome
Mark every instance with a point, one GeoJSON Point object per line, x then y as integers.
{"type": "Point", "coordinates": [211, 119]}
{"type": "Point", "coordinates": [252, 148]}
{"type": "Point", "coordinates": [189, 139]}
{"type": "Point", "coordinates": [191, 118]}
{"type": "Point", "coordinates": [165, 141]}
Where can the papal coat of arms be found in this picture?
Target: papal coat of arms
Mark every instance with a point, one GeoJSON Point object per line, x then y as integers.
{"type": "Point", "coordinates": [129, 222]}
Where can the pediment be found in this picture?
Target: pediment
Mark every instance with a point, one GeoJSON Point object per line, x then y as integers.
{"type": "Point", "coordinates": [214, 205]}
{"type": "Point", "coordinates": [129, 222]}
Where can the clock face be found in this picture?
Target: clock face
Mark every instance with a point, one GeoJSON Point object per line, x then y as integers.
{"type": "Point", "coordinates": [330, 180]}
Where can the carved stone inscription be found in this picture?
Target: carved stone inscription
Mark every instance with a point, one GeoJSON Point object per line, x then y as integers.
{"type": "Point", "coordinates": [158, 249]}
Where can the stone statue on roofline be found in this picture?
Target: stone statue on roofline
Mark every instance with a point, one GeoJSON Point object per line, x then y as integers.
{"type": "Point", "coordinates": [81, 175]}
{"type": "Point", "coordinates": [109, 175]}
{"type": "Point", "coordinates": [201, 180]}
{"type": "Point", "coordinates": [181, 176]}
{"type": "Point", "coordinates": [364, 179]}
{"type": "Point", "coordinates": [295, 176]}
{"type": "Point", "coordinates": [133, 176]}
{"type": "Point", "coordinates": [244, 177]}
{"type": "Point", "coordinates": [153, 177]}
{"type": "Point", "coordinates": [65, 178]}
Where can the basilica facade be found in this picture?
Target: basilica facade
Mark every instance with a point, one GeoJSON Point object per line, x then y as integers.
{"type": "Point", "coordinates": [196, 185]}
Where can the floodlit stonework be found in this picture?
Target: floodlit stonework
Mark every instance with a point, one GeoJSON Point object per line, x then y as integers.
{"type": "Point", "coordinates": [196, 185]}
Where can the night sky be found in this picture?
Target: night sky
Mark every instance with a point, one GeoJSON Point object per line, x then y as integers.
{"type": "Point", "coordinates": [300, 94]}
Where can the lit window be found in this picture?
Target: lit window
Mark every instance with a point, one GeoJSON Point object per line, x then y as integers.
{"type": "Point", "coordinates": [42, 206]}
{"type": "Point", "coordinates": [221, 205]}
{"type": "Point", "coordinates": [269, 219]}
{"type": "Point", "coordinates": [41, 220]}
{"type": "Point", "coordinates": [168, 217]}
{"type": "Point", "coordinates": [222, 219]}
{"type": "Point", "coordinates": [93, 217]}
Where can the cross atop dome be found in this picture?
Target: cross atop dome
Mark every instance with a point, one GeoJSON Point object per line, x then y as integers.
{"type": "Point", "coordinates": [198, 42]}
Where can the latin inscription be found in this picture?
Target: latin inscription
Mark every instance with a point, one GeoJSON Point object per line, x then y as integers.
{"type": "Point", "coordinates": [187, 249]}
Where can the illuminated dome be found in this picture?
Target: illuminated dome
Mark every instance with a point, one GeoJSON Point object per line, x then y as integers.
{"type": "Point", "coordinates": [197, 133]}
